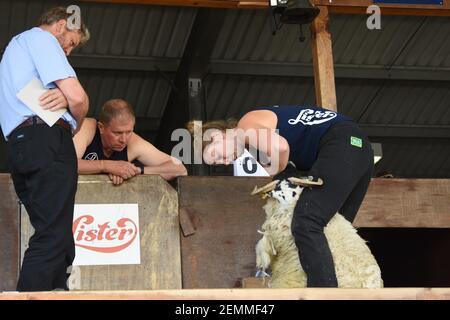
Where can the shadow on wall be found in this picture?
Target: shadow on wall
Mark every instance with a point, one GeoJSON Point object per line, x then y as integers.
{"type": "Point", "coordinates": [411, 257]}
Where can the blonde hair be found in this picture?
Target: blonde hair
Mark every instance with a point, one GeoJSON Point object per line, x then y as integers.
{"type": "Point", "coordinates": [221, 125]}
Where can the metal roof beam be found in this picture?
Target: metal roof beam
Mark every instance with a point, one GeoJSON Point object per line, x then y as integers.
{"type": "Point", "coordinates": [341, 70]}
{"type": "Point", "coordinates": [406, 130]}
{"type": "Point", "coordinates": [193, 65]}
{"type": "Point", "coordinates": [83, 61]}
{"type": "Point", "coordinates": [253, 68]}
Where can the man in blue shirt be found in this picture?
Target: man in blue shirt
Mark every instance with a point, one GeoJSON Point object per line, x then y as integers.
{"type": "Point", "coordinates": [43, 161]}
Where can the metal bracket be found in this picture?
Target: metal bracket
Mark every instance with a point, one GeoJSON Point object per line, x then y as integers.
{"type": "Point", "coordinates": [195, 86]}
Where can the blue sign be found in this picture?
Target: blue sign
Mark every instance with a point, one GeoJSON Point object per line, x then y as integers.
{"type": "Point", "coordinates": [425, 2]}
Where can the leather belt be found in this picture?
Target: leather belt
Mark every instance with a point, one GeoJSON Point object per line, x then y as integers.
{"type": "Point", "coordinates": [36, 120]}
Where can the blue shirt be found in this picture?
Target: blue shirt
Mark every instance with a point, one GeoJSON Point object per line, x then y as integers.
{"type": "Point", "coordinates": [33, 53]}
{"type": "Point", "coordinates": [303, 127]}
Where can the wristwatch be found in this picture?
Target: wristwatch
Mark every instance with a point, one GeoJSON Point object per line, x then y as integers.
{"type": "Point", "coordinates": [142, 168]}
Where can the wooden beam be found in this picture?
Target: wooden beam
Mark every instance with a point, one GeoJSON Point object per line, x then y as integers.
{"type": "Point", "coordinates": [241, 294]}
{"type": "Point", "coordinates": [335, 7]}
{"type": "Point", "coordinates": [225, 4]}
{"type": "Point", "coordinates": [360, 7]}
{"type": "Point", "coordinates": [410, 203]}
{"type": "Point", "coordinates": [322, 55]}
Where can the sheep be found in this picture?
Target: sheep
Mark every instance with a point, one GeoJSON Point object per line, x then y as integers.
{"type": "Point", "coordinates": [355, 265]}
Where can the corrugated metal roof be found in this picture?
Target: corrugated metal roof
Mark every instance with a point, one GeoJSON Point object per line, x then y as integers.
{"type": "Point", "coordinates": [415, 158]}
{"type": "Point", "coordinates": [367, 101]}
{"type": "Point", "coordinates": [232, 96]}
{"type": "Point", "coordinates": [142, 31]}
{"type": "Point", "coordinates": [410, 102]}
{"type": "Point", "coordinates": [116, 30]}
{"type": "Point", "coordinates": [146, 91]}
{"type": "Point", "coordinates": [246, 36]}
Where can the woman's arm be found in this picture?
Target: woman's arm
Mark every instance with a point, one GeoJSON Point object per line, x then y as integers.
{"type": "Point", "coordinates": [258, 130]}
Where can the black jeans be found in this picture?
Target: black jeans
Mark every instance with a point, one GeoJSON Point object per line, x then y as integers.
{"type": "Point", "coordinates": [43, 166]}
{"type": "Point", "coordinates": [346, 170]}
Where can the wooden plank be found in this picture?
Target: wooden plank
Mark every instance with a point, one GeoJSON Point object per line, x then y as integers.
{"type": "Point", "coordinates": [225, 4]}
{"type": "Point", "coordinates": [252, 282]}
{"type": "Point", "coordinates": [322, 55]}
{"type": "Point", "coordinates": [226, 218]}
{"type": "Point", "coordinates": [360, 7]}
{"type": "Point", "coordinates": [335, 7]}
{"type": "Point", "coordinates": [160, 266]}
{"type": "Point", "coordinates": [406, 203]}
{"type": "Point", "coordinates": [9, 234]}
{"type": "Point", "coordinates": [243, 294]}
{"type": "Point", "coordinates": [187, 227]}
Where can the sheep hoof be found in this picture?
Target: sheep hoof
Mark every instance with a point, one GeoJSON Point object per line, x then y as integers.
{"type": "Point", "coordinates": [261, 273]}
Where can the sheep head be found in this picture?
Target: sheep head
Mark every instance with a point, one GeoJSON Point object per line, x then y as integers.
{"type": "Point", "coordinates": [287, 190]}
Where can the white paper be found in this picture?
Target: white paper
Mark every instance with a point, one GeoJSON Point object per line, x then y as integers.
{"type": "Point", "coordinates": [246, 165]}
{"type": "Point", "coordinates": [30, 95]}
{"type": "Point", "coordinates": [106, 234]}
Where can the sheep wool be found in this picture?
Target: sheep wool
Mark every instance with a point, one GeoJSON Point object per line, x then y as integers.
{"type": "Point", "coordinates": [355, 265]}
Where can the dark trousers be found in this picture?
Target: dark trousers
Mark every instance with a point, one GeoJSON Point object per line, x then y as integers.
{"type": "Point", "coordinates": [43, 167]}
{"type": "Point", "coordinates": [346, 170]}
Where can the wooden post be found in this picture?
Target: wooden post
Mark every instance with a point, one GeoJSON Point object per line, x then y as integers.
{"type": "Point", "coordinates": [323, 61]}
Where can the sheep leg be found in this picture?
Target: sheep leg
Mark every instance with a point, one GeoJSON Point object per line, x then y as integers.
{"type": "Point", "coordinates": [263, 254]}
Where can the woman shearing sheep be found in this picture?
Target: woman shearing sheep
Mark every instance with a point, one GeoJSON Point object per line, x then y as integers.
{"type": "Point", "coordinates": [321, 143]}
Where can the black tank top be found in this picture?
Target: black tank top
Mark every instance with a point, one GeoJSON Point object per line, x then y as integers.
{"type": "Point", "coordinates": [303, 127]}
{"type": "Point", "coordinates": [94, 151]}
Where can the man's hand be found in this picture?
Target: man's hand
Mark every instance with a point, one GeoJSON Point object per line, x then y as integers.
{"type": "Point", "coordinates": [116, 180]}
{"type": "Point", "coordinates": [53, 100]}
{"type": "Point", "coordinates": [122, 169]}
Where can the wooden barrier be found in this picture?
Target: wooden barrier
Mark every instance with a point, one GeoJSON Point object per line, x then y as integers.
{"type": "Point", "coordinates": [243, 294]}
{"type": "Point", "coordinates": [225, 218]}
{"type": "Point", "coordinates": [220, 252]}
{"type": "Point", "coordinates": [219, 220]}
{"type": "Point", "coordinates": [406, 203]}
{"type": "Point", "coordinates": [160, 266]}
{"type": "Point", "coordinates": [9, 235]}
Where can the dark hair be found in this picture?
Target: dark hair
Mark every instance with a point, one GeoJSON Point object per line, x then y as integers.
{"type": "Point", "coordinates": [55, 14]}
{"type": "Point", "coordinates": [114, 108]}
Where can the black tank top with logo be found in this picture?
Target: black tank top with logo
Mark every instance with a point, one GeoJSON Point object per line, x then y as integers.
{"type": "Point", "coordinates": [303, 127]}
{"type": "Point", "coordinates": [94, 151]}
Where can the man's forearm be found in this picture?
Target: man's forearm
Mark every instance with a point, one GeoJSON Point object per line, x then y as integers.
{"type": "Point", "coordinates": [79, 110]}
{"type": "Point", "coordinates": [168, 170]}
{"type": "Point", "coordinates": [91, 166]}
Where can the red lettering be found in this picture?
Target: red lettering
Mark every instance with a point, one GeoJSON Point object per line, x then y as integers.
{"type": "Point", "coordinates": [110, 234]}
{"type": "Point", "coordinates": [91, 235]}
{"type": "Point", "coordinates": [103, 232]}
{"type": "Point", "coordinates": [124, 232]}
{"type": "Point", "coordinates": [84, 220]}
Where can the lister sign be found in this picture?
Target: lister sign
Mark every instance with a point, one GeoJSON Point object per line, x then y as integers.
{"type": "Point", "coordinates": [106, 234]}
